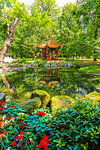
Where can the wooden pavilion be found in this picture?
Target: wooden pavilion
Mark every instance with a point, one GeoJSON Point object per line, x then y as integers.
{"type": "Point", "coordinates": [49, 50]}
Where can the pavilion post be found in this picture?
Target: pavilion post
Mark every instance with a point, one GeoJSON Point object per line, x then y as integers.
{"type": "Point", "coordinates": [48, 56]}
{"type": "Point", "coordinates": [56, 55]}
{"type": "Point", "coordinates": [52, 54]}
{"type": "Point", "coordinates": [42, 54]}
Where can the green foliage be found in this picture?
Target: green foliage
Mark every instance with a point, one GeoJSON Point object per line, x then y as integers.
{"type": "Point", "coordinates": [95, 69]}
{"type": "Point", "coordinates": [74, 128]}
{"type": "Point", "coordinates": [75, 26]}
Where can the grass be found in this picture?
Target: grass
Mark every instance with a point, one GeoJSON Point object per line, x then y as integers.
{"type": "Point", "coordinates": [85, 62]}
{"type": "Point", "coordinates": [92, 69]}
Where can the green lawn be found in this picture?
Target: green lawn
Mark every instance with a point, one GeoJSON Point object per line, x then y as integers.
{"type": "Point", "coordinates": [93, 69]}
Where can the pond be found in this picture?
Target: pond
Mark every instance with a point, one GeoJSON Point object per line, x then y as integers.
{"type": "Point", "coordinates": [56, 81]}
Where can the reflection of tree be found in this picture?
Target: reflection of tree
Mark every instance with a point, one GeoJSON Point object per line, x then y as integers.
{"type": "Point", "coordinates": [11, 90]}
{"type": "Point", "coordinates": [26, 80]}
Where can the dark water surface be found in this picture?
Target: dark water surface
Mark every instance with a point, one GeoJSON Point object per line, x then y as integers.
{"type": "Point", "coordinates": [62, 81]}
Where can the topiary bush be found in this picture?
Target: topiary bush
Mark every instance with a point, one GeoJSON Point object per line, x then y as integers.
{"type": "Point", "coordinates": [75, 128]}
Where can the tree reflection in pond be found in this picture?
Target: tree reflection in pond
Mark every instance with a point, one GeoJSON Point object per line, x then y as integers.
{"type": "Point", "coordinates": [70, 81]}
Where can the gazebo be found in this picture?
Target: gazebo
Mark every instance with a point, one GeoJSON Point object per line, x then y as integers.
{"type": "Point", "coordinates": [49, 50]}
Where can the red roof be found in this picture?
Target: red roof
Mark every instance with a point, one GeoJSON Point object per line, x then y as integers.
{"type": "Point", "coordinates": [50, 44]}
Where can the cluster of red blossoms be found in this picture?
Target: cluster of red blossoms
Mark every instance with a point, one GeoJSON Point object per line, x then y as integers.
{"type": "Point", "coordinates": [22, 124]}
{"type": "Point", "coordinates": [1, 108]}
{"type": "Point", "coordinates": [41, 113]}
{"type": "Point", "coordinates": [19, 137]}
{"type": "Point", "coordinates": [43, 143]}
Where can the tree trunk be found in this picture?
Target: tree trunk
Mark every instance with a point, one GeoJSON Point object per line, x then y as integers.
{"type": "Point", "coordinates": [95, 37]}
{"type": "Point", "coordinates": [11, 90]}
{"type": "Point", "coordinates": [33, 55]}
{"type": "Point", "coordinates": [8, 39]}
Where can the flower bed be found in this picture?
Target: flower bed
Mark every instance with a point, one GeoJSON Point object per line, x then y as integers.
{"type": "Point", "coordinates": [75, 128]}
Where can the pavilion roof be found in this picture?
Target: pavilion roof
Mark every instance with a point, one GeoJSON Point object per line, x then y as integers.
{"type": "Point", "coordinates": [50, 44]}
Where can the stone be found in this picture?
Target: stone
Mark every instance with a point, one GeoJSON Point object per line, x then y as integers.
{"type": "Point", "coordinates": [44, 96]}
{"type": "Point", "coordinates": [31, 104]}
{"type": "Point", "coordinates": [2, 97]}
{"type": "Point", "coordinates": [60, 101]}
{"type": "Point", "coordinates": [95, 96]}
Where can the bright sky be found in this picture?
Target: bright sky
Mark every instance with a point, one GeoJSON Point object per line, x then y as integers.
{"type": "Point", "coordinates": [59, 2]}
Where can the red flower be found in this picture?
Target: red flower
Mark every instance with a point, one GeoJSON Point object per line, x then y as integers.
{"type": "Point", "coordinates": [21, 132]}
{"type": "Point", "coordinates": [20, 121]}
{"type": "Point", "coordinates": [13, 106]}
{"type": "Point", "coordinates": [1, 103]}
{"type": "Point", "coordinates": [6, 118]}
{"type": "Point", "coordinates": [1, 131]}
{"type": "Point", "coordinates": [41, 113]}
{"type": "Point", "coordinates": [21, 125]}
{"type": "Point", "coordinates": [6, 132]}
{"type": "Point", "coordinates": [43, 143]}
{"type": "Point", "coordinates": [20, 137]}
{"type": "Point", "coordinates": [46, 138]}
{"type": "Point", "coordinates": [10, 117]}
{"type": "Point", "coordinates": [15, 137]}
{"type": "Point", "coordinates": [13, 144]}
{"type": "Point", "coordinates": [20, 145]}
{"type": "Point", "coordinates": [29, 126]}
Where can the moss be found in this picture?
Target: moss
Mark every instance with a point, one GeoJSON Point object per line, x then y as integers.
{"type": "Point", "coordinates": [60, 101]}
{"type": "Point", "coordinates": [98, 88]}
{"type": "Point", "coordinates": [95, 96]}
{"type": "Point", "coordinates": [31, 104]}
{"type": "Point", "coordinates": [44, 96]}
{"type": "Point", "coordinates": [26, 95]}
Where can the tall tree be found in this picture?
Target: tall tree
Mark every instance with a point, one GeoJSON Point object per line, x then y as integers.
{"type": "Point", "coordinates": [89, 10]}
{"type": "Point", "coordinates": [48, 6]}
{"type": "Point", "coordinates": [69, 29]}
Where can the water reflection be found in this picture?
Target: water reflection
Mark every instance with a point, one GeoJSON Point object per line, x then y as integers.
{"type": "Point", "coordinates": [62, 81]}
{"type": "Point", "coordinates": [10, 89]}
{"type": "Point", "coordinates": [50, 77]}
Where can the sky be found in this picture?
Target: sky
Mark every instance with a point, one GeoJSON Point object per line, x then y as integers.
{"type": "Point", "coordinates": [59, 2]}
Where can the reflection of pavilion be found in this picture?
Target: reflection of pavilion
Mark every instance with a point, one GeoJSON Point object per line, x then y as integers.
{"type": "Point", "coordinates": [50, 77]}
{"type": "Point", "coordinates": [50, 72]}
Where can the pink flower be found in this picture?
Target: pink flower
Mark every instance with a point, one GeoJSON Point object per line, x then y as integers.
{"type": "Point", "coordinates": [15, 137]}
{"type": "Point", "coordinates": [0, 108]}
{"type": "Point", "coordinates": [1, 111]}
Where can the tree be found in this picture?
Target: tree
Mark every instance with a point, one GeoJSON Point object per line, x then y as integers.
{"type": "Point", "coordinates": [90, 18]}
{"type": "Point", "coordinates": [69, 29]}
{"type": "Point", "coordinates": [48, 6]}
{"type": "Point", "coordinates": [8, 39]}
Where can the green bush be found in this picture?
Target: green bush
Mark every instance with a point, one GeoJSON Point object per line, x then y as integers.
{"type": "Point", "coordinates": [75, 128]}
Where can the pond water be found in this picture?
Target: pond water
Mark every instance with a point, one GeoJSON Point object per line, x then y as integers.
{"type": "Point", "coordinates": [56, 81]}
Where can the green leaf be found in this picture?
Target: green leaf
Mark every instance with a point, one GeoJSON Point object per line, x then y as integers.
{"type": "Point", "coordinates": [75, 147]}
{"type": "Point", "coordinates": [69, 147]}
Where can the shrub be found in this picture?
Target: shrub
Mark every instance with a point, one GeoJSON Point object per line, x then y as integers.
{"type": "Point", "coordinates": [75, 128]}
